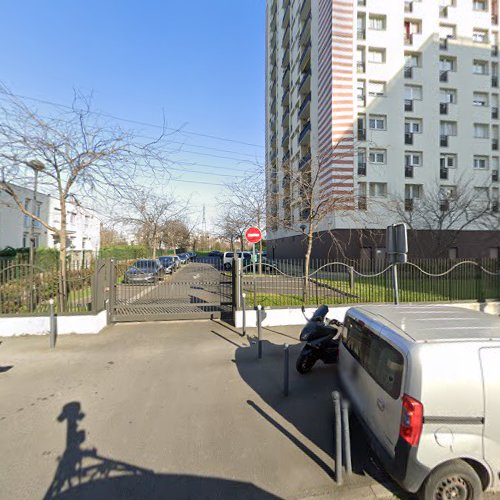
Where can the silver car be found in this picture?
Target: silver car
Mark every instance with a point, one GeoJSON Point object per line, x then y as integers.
{"type": "Point", "coordinates": [425, 383]}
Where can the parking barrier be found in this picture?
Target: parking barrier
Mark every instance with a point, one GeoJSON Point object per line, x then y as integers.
{"type": "Point", "coordinates": [338, 436]}
{"type": "Point", "coordinates": [259, 331]}
{"type": "Point", "coordinates": [244, 315]}
{"type": "Point", "coordinates": [347, 436]}
{"type": "Point", "coordinates": [286, 370]}
{"type": "Point", "coordinates": [53, 325]}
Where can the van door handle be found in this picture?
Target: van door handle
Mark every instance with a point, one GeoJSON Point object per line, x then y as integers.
{"type": "Point", "coordinates": [381, 405]}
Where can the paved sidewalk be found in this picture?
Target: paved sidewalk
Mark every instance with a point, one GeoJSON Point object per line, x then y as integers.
{"type": "Point", "coordinates": [168, 410]}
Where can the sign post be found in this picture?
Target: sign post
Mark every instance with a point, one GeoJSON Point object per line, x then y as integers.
{"type": "Point", "coordinates": [253, 235]}
{"type": "Point", "coordinates": [396, 244]}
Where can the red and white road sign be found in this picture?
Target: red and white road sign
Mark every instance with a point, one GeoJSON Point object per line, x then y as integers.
{"type": "Point", "coordinates": [253, 235]}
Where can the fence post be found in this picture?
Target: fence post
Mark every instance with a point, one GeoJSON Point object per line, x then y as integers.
{"type": "Point", "coordinates": [53, 325]}
{"type": "Point", "coordinates": [244, 315]}
{"type": "Point", "coordinates": [112, 291]}
{"type": "Point", "coordinates": [237, 288]}
{"type": "Point", "coordinates": [351, 277]}
{"type": "Point", "coordinates": [479, 281]}
{"type": "Point", "coordinates": [259, 332]}
{"type": "Point", "coordinates": [395, 283]}
{"type": "Point", "coordinates": [347, 436]}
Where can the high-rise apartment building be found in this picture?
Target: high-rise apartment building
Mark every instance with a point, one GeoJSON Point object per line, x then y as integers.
{"type": "Point", "coordinates": [393, 108]}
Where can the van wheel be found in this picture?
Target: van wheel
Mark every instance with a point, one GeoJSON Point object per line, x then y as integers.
{"type": "Point", "coordinates": [227, 266]}
{"type": "Point", "coordinates": [456, 480]}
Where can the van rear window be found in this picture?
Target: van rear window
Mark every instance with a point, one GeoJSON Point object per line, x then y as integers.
{"type": "Point", "coordinates": [383, 362]}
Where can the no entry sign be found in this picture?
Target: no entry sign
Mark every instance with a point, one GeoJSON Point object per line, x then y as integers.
{"type": "Point", "coordinates": [253, 235]}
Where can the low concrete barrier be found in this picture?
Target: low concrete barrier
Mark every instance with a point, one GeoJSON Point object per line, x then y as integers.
{"type": "Point", "coordinates": [40, 325]}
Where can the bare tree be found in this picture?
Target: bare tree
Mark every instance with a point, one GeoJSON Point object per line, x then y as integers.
{"type": "Point", "coordinates": [74, 156]}
{"type": "Point", "coordinates": [151, 215]}
{"type": "Point", "coordinates": [175, 233]}
{"type": "Point", "coordinates": [443, 213]}
{"type": "Point", "coordinates": [231, 226]}
{"type": "Point", "coordinates": [313, 205]}
{"type": "Point", "coordinates": [110, 236]}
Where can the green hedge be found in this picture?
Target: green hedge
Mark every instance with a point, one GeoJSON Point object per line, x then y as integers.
{"type": "Point", "coordinates": [124, 252]}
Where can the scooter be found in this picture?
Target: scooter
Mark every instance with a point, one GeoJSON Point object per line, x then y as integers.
{"type": "Point", "coordinates": [322, 340]}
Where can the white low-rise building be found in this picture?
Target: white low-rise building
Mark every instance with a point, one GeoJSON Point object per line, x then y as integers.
{"type": "Point", "coordinates": [83, 226]}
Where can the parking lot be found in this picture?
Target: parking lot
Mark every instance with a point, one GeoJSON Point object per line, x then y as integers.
{"type": "Point", "coordinates": [169, 410]}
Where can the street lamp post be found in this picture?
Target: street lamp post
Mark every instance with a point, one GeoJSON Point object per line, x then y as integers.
{"type": "Point", "coordinates": [37, 167]}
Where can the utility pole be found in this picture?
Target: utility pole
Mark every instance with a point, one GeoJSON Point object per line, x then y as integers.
{"type": "Point", "coordinates": [204, 228]}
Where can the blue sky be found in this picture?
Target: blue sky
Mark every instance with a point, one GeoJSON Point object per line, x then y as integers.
{"type": "Point", "coordinates": [200, 62]}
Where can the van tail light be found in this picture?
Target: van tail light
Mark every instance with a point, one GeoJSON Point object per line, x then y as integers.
{"type": "Point", "coordinates": [412, 419]}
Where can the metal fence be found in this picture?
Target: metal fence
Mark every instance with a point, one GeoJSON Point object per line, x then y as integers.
{"type": "Point", "coordinates": [26, 289]}
{"type": "Point", "coordinates": [283, 282]}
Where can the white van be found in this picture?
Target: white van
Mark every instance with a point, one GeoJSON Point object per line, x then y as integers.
{"type": "Point", "coordinates": [227, 259]}
{"type": "Point", "coordinates": [425, 382]}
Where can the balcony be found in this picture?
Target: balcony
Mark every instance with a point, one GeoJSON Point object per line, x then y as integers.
{"type": "Point", "coordinates": [305, 135]}
{"type": "Point", "coordinates": [285, 139]}
{"type": "Point", "coordinates": [408, 38]}
{"type": "Point", "coordinates": [494, 144]}
{"type": "Point", "coordinates": [285, 158]}
{"type": "Point", "coordinates": [285, 119]}
{"type": "Point", "coordinates": [443, 76]}
{"type": "Point", "coordinates": [494, 112]}
{"type": "Point", "coordinates": [274, 189]}
{"type": "Point", "coordinates": [361, 3]}
{"type": "Point", "coordinates": [494, 81]}
{"type": "Point", "coordinates": [273, 175]}
{"type": "Point", "coordinates": [285, 182]}
{"type": "Point", "coordinates": [361, 98]}
{"type": "Point", "coordinates": [305, 84]}
{"type": "Point", "coordinates": [443, 141]}
{"type": "Point", "coordinates": [305, 106]}
{"type": "Point", "coordinates": [443, 173]}
{"type": "Point", "coordinates": [361, 134]}
{"type": "Point", "coordinates": [443, 11]}
{"type": "Point", "coordinates": [361, 34]}
{"type": "Point", "coordinates": [494, 206]}
{"type": "Point", "coordinates": [443, 43]}
{"type": "Point", "coordinates": [286, 77]}
{"type": "Point", "coordinates": [361, 167]}
{"type": "Point", "coordinates": [409, 171]}
{"type": "Point", "coordinates": [285, 21]}
{"type": "Point", "coordinates": [443, 108]}
{"type": "Point", "coordinates": [305, 56]}
{"type": "Point", "coordinates": [444, 205]}
{"type": "Point", "coordinates": [408, 6]}
{"type": "Point", "coordinates": [306, 31]}
{"type": "Point", "coordinates": [494, 19]}
{"type": "Point", "coordinates": [360, 67]}
{"type": "Point", "coordinates": [305, 10]}
{"type": "Point", "coordinates": [285, 61]}
{"type": "Point", "coordinates": [284, 99]}
{"type": "Point", "coordinates": [494, 176]}
{"type": "Point", "coordinates": [408, 104]}
{"type": "Point", "coordinates": [408, 72]}
{"type": "Point", "coordinates": [286, 38]}
{"type": "Point", "coordinates": [408, 204]}
{"type": "Point", "coordinates": [304, 161]}
{"type": "Point", "coordinates": [494, 50]}
{"type": "Point", "coordinates": [409, 138]}
{"type": "Point", "coordinates": [362, 203]}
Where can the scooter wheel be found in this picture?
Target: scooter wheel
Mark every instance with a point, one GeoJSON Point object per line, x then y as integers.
{"type": "Point", "coordinates": [305, 363]}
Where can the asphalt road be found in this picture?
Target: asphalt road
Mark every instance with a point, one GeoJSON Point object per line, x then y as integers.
{"type": "Point", "coordinates": [178, 410]}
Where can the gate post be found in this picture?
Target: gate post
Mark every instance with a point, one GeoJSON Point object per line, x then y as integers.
{"type": "Point", "coordinates": [236, 279]}
{"type": "Point", "coordinates": [111, 289]}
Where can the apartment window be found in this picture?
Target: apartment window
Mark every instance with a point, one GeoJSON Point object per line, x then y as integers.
{"type": "Point", "coordinates": [413, 158]}
{"type": "Point", "coordinates": [453, 253]}
{"type": "Point", "coordinates": [360, 91]}
{"type": "Point", "coordinates": [377, 22]}
{"type": "Point", "coordinates": [481, 5]}
{"type": "Point", "coordinates": [447, 63]}
{"type": "Point", "coordinates": [376, 55]}
{"type": "Point", "coordinates": [376, 88]}
{"type": "Point", "coordinates": [362, 189]}
{"type": "Point", "coordinates": [447, 31]}
{"type": "Point", "coordinates": [448, 96]}
{"type": "Point", "coordinates": [377, 156]}
{"type": "Point", "coordinates": [448, 161]}
{"type": "Point", "coordinates": [480, 36]}
{"type": "Point", "coordinates": [480, 162]}
{"type": "Point", "coordinates": [378, 190]}
{"type": "Point", "coordinates": [413, 92]}
{"type": "Point", "coordinates": [413, 191]}
{"type": "Point", "coordinates": [377, 122]}
{"type": "Point", "coordinates": [448, 128]}
{"type": "Point", "coordinates": [481, 130]}
{"type": "Point", "coordinates": [413, 126]}
{"type": "Point", "coordinates": [480, 99]}
{"type": "Point", "coordinates": [494, 252]}
{"type": "Point", "coordinates": [413, 27]}
{"type": "Point", "coordinates": [480, 67]}
{"type": "Point", "coordinates": [413, 59]}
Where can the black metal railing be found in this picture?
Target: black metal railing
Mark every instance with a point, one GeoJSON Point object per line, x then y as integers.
{"type": "Point", "coordinates": [408, 104]}
{"type": "Point", "coordinates": [443, 173]}
{"type": "Point", "coordinates": [409, 138]}
{"type": "Point", "coordinates": [361, 167]}
{"type": "Point", "coordinates": [443, 108]}
{"type": "Point", "coordinates": [443, 43]}
{"type": "Point", "coordinates": [409, 171]}
{"type": "Point", "coordinates": [443, 141]}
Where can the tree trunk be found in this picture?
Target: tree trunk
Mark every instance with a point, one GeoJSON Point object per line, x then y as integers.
{"type": "Point", "coordinates": [63, 275]}
{"type": "Point", "coordinates": [241, 243]}
{"type": "Point", "coordinates": [306, 262]}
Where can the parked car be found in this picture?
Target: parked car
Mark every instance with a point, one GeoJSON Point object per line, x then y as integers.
{"type": "Point", "coordinates": [169, 263]}
{"type": "Point", "coordinates": [424, 381]}
{"type": "Point", "coordinates": [183, 257]}
{"type": "Point", "coordinates": [215, 253]}
{"type": "Point", "coordinates": [144, 271]}
{"type": "Point", "coordinates": [227, 259]}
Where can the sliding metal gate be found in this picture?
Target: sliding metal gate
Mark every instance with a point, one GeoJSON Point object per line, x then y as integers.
{"type": "Point", "coordinates": [199, 290]}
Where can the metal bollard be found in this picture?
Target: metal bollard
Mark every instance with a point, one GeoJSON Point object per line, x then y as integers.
{"type": "Point", "coordinates": [244, 314]}
{"type": "Point", "coordinates": [347, 436]}
{"type": "Point", "coordinates": [286, 370]}
{"type": "Point", "coordinates": [53, 325]}
{"type": "Point", "coordinates": [259, 332]}
{"type": "Point", "coordinates": [338, 436]}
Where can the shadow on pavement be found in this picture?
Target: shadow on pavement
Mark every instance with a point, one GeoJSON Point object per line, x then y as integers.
{"type": "Point", "coordinates": [5, 368]}
{"type": "Point", "coordinates": [309, 406]}
{"type": "Point", "coordinates": [83, 474]}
